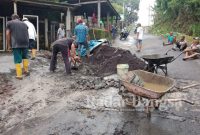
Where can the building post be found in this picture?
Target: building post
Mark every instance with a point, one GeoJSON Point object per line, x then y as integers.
{"type": "Point", "coordinates": [99, 13]}
{"type": "Point", "coordinates": [15, 7]}
{"type": "Point", "coordinates": [46, 33]}
{"type": "Point", "coordinates": [123, 17]}
{"type": "Point", "coordinates": [108, 21]}
{"type": "Point", "coordinates": [68, 22]}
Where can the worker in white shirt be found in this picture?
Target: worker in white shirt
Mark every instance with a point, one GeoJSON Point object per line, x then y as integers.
{"type": "Point", "coordinates": [139, 38]}
{"type": "Point", "coordinates": [32, 37]}
{"type": "Point", "coordinates": [61, 32]}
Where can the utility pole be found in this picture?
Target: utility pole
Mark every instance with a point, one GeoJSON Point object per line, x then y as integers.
{"type": "Point", "coordinates": [123, 17]}
{"type": "Point", "coordinates": [149, 17]}
{"type": "Point", "coordinates": [99, 12]}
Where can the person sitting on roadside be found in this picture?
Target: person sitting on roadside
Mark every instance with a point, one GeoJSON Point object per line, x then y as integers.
{"type": "Point", "coordinates": [181, 44]}
{"type": "Point", "coordinates": [171, 39]}
{"type": "Point", "coordinates": [193, 51]}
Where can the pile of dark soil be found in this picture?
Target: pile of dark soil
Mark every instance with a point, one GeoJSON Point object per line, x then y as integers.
{"type": "Point", "coordinates": [106, 59]}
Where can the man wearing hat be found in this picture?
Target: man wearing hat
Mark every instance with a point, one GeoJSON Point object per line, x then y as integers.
{"type": "Point", "coordinates": [17, 39]}
{"type": "Point", "coordinates": [81, 35]}
{"type": "Point", "coordinates": [32, 37]}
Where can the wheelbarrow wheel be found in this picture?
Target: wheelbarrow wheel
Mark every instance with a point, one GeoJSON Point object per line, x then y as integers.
{"type": "Point", "coordinates": [156, 104]}
{"type": "Point", "coordinates": [131, 101]}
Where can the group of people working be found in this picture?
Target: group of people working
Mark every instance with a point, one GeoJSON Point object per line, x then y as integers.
{"type": "Point", "coordinates": [191, 51]}
{"type": "Point", "coordinates": [21, 36]}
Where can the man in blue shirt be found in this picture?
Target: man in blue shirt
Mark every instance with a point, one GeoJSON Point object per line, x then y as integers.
{"type": "Point", "coordinates": [81, 35]}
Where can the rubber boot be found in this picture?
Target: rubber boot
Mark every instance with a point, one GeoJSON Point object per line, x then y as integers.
{"type": "Point", "coordinates": [33, 54]}
{"type": "Point", "coordinates": [25, 66]}
{"type": "Point", "coordinates": [18, 71]}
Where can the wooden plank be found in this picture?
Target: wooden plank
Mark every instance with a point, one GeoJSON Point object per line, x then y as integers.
{"type": "Point", "coordinates": [90, 2]}
{"type": "Point", "coordinates": [50, 4]}
{"type": "Point", "coordinates": [46, 33]}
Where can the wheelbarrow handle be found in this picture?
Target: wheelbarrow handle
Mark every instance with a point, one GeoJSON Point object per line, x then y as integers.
{"type": "Point", "coordinates": [177, 56]}
{"type": "Point", "coordinates": [168, 51]}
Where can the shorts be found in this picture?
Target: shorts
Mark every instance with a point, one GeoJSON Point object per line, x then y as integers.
{"type": "Point", "coordinates": [138, 41]}
{"type": "Point", "coordinates": [32, 44]}
{"type": "Point", "coordinates": [83, 45]}
{"type": "Point", "coordinates": [19, 54]}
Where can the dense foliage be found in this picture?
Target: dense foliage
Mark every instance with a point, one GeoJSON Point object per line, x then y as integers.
{"type": "Point", "coordinates": [130, 9]}
{"type": "Point", "coordinates": [96, 34]}
{"type": "Point", "coordinates": [178, 15]}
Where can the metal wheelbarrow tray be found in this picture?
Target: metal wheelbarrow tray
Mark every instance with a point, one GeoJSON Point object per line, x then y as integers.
{"type": "Point", "coordinates": [147, 77]}
{"type": "Point", "coordinates": [158, 61]}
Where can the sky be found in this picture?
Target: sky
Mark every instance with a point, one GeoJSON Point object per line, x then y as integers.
{"type": "Point", "coordinates": [144, 12]}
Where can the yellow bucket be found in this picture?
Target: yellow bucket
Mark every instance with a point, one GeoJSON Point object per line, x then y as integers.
{"type": "Point", "coordinates": [122, 69]}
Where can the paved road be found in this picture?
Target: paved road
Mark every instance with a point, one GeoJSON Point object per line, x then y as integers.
{"type": "Point", "coordinates": [67, 115]}
{"type": "Point", "coordinates": [178, 69]}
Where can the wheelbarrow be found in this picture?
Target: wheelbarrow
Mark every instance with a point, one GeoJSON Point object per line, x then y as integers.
{"type": "Point", "coordinates": [158, 61]}
{"type": "Point", "coordinates": [154, 86]}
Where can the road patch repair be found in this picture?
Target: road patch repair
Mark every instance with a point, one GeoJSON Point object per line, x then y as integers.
{"type": "Point", "coordinates": [54, 103]}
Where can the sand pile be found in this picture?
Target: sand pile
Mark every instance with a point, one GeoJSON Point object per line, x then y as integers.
{"type": "Point", "coordinates": [106, 59]}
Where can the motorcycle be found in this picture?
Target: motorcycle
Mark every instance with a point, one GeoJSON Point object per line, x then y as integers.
{"type": "Point", "coordinates": [123, 35]}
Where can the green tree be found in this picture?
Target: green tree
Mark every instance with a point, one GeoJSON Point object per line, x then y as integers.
{"type": "Point", "coordinates": [130, 9]}
{"type": "Point", "coordinates": [118, 8]}
{"type": "Point", "coordinates": [178, 15]}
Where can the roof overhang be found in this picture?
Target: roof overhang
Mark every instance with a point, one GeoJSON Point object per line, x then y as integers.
{"type": "Point", "coordinates": [90, 6]}
{"type": "Point", "coordinates": [46, 4]}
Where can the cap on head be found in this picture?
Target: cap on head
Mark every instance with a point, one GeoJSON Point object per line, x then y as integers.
{"type": "Point", "coordinates": [14, 16]}
{"type": "Point", "coordinates": [25, 19]}
{"type": "Point", "coordinates": [80, 21]}
{"type": "Point", "coordinates": [196, 38]}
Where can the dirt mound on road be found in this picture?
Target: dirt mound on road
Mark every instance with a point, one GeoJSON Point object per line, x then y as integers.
{"type": "Point", "coordinates": [106, 59]}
